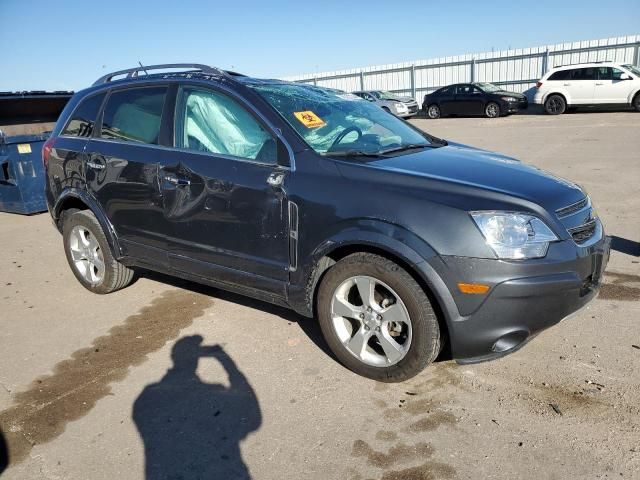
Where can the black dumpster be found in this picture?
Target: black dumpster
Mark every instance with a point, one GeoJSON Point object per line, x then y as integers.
{"type": "Point", "coordinates": [26, 119]}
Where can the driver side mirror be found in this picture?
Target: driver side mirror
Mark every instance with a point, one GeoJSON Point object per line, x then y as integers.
{"type": "Point", "coordinates": [625, 76]}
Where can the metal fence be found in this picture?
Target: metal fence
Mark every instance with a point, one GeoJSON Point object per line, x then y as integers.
{"type": "Point", "coordinates": [518, 69]}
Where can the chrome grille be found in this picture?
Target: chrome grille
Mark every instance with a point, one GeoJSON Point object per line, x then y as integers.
{"type": "Point", "coordinates": [573, 208]}
{"type": "Point", "coordinates": [584, 232]}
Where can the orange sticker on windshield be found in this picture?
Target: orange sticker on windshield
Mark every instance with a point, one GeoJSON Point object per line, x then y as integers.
{"type": "Point", "coordinates": [309, 119]}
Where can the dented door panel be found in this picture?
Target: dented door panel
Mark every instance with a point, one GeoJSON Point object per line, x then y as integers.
{"type": "Point", "coordinates": [225, 217]}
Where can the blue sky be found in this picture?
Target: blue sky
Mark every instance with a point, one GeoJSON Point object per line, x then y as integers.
{"type": "Point", "coordinates": [67, 44]}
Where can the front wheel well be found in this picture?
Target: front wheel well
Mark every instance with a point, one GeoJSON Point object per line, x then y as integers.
{"type": "Point", "coordinates": [325, 263]}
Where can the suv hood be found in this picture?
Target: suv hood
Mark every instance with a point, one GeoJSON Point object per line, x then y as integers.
{"type": "Point", "coordinates": [485, 170]}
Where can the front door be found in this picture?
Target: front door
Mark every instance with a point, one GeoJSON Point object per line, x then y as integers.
{"type": "Point", "coordinates": [469, 100]}
{"type": "Point", "coordinates": [610, 87]}
{"type": "Point", "coordinates": [224, 197]}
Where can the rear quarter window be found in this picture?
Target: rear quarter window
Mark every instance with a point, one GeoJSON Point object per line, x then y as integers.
{"type": "Point", "coordinates": [134, 115]}
{"type": "Point", "coordinates": [561, 75]}
{"type": "Point", "coordinates": [84, 116]}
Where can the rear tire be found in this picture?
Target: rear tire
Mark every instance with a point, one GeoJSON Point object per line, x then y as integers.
{"type": "Point", "coordinates": [636, 102]}
{"type": "Point", "coordinates": [391, 349]}
{"type": "Point", "coordinates": [433, 112]}
{"type": "Point", "coordinates": [89, 254]}
{"type": "Point", "coordinates": [555, 105]}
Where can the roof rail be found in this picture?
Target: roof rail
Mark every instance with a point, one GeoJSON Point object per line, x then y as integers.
{"type": "Point", "coordinates": [583, 63]}
{"type": "Point", "coordinates": [134, 72]}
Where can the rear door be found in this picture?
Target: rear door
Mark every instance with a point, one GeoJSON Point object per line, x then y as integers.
{"type": "Point", "coordinates": [122, 168]}
{"type": "Point", "coordinates": [224, 197]}
{"type": "Point", "coordinates": [610, 88]}
{"type": "Point", "coordinates": [581, 85]}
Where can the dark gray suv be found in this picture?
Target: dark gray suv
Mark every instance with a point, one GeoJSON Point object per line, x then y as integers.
{"type": "Point", "coordinates": [397, 242]}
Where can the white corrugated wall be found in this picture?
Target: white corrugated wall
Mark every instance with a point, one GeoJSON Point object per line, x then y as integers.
{"type": "Point", "coordinates": [517, 70]}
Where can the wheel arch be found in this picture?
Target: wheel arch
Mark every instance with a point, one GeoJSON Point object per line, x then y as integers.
{"type": "Point", "coordinates": [414, 262]}
{"type": "Point", "coordinates": [76, 199]}
{"type": "Point", "coordinates": [564, 95]}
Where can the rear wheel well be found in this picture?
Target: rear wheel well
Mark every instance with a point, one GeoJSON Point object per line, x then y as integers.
{"type": "Point", "coordinates": [559, 95]}
{"type": "Point", "coordinates": [69, 205]}
{"type": "Point", "coordinates": [326, 262]}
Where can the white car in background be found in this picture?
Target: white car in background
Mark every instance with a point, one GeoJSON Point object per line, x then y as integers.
{"type": "Point", "coordinates": [404, 107]}
{"type": "Point", "coordinates": [589, 84]}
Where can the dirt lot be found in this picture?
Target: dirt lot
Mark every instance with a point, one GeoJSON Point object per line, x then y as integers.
{"type": "Point", "coordinates": [91, 385]}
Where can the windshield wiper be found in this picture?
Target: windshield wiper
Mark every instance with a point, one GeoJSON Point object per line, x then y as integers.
{"type": "Point", "coordinates": [409, 146]}
{"type": "Point", "coordinates": [351, 153]}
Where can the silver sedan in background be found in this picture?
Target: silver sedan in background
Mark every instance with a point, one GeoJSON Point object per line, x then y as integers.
{"type": "Point", "coordinates": [401, 106]}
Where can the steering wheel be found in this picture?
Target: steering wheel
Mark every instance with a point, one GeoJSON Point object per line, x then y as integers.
{"type": "Point", "coordinates": [343, 134]}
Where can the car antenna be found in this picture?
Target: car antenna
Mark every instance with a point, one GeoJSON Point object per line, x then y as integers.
{"type": "Point", "coordinates": [142, 66]}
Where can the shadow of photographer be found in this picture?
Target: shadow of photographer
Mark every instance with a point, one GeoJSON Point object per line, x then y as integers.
{"type": "Point", "coordinates": [192, 429]}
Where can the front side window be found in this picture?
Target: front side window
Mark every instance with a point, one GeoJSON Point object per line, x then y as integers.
{"type": "Point", "coordinates": [84, 117]}
{"type": "Point", "coordinates": [134, 115]}
{"type": "Point", "coordinates": [332, 121]}
{"type": "Point", "coordinates": [616, 74]}
{"type": "Point", "coordinates": [212, 122]}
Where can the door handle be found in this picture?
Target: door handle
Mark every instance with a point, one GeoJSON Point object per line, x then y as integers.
{"type": "Point", "coordinates": [566, 84]}
{"type": "Point", "coordinates": [597, 84]}
{"type": "Point", "coordinates": [172, 179]}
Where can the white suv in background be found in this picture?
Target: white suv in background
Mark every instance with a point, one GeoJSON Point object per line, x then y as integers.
{"type": "Point", "coordinates": [600, 83]}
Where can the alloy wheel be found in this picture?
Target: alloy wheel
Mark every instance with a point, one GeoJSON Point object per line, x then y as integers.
{"type": "Point", "coordinates": [371, 321]}
{"type": "Point", "coordinates": [433, 111]}
{"type": "Point", "coordinates": [86, 254]}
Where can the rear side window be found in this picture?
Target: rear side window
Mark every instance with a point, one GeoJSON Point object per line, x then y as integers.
{"type": "Point", "coordinates": [584, 74]}
{"type": "Point", "coordinates": [84, 117]}
{"type": "Point", "coordinates": [561, 75]}
{"type": "Point", "coordinates": [134, 115]}
{"type": "Point", "coordinates": [212, 122]}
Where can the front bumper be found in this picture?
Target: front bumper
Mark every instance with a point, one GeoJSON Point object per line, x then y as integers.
{"type": "Point", "coordinates": [515, 107]}
{"type": "Point", "coordinates": [525, 297]}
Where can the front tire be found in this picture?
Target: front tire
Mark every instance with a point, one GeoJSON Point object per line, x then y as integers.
{"type": "Point", "coordinates": [89, 255]}
{"type": "Point", "coordinates": [376, 319]}
{"type": "Point", "coordinates": [636, 102]}
{"type": "Point", "coordinates": [555, 105]}
{"type": "Point", "coordinates": [492, 110]}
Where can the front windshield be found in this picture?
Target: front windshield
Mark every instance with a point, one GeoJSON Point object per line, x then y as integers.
{"type": "Point", "coordinates": [383, 95]}
{"type": "Point", "coordinates": [633, 69]}
{"type": "Point", "coordinates": [488, 87]}
{"type": "Point", "coordinates": [333, 121]}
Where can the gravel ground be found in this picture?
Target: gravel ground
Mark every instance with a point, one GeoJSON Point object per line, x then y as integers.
{"type": "Point", "coordinates": [167, 379]}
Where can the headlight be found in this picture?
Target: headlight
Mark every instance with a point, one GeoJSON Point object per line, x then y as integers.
{"type": "Point", "coordinates": [514, 235]}
{"type": "Point", "coordinates": [401, 106]}
{"type": "Point", "coordinates": [509, 99]}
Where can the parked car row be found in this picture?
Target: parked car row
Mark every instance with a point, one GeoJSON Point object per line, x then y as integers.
{"type": "Point", "coordinates": [583, 85]}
